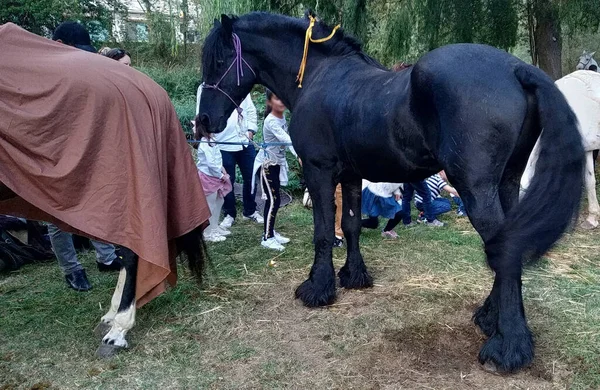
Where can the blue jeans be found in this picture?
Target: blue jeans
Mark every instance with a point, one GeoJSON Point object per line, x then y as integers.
{"type": "Point", "coordinates": [439, 206]}
{"type": "Point", "coordinates": [407, 195]}
{"type": "Point", "coordinates": [459, 203]}
{"type": "Point", "coordinates": [62, 245]}
{"type": "Point", "coordinates": [245, 160]}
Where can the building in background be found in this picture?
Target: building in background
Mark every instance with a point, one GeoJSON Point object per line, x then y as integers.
{"type": "Point", "coordinates": [135, 25]}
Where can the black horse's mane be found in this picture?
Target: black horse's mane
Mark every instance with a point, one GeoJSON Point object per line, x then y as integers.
{"type": "Point", "coordinates": [341, 44]}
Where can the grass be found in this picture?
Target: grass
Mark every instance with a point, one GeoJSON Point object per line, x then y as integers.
{"type": "Point", "coordinates": [243, 329]}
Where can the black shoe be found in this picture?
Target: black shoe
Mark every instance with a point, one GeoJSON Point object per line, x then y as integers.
{"type": "Point", "coordinates": [78, 281]}
{"type": "Point", "coordinates": [338, 242]}
{"type": "Point", "coordinates": [116, 265]}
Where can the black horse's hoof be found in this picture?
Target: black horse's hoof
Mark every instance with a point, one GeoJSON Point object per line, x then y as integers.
{"type": "Point", "coordinates": [315, 295]}
{"type": "Point", "coordinates": [106, 351]}
{"type": "Point", "coordinates": [504, 355]}
{"type": "Point", "coordinates": [357, 279]}
{"type": "Point", "coordinates": [486, 317]}
{"type": "Point", "coordinates": [101, 329]}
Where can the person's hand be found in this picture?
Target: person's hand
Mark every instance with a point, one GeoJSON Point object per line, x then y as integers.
{"type": "Point", "coordinates": [250, 135]}
{"type": "Point", "coordinates": [398, 197]}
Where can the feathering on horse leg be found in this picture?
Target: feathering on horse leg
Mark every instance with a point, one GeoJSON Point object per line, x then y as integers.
{"type": "Point", "coordinates": [319, 288]}
{"type": "Point", "coordinates": [107, 320]}
{"type": "Point", "coordinates": [510, 346]}
{"type": "Point", "coordinates": [354, 273]}
{"type": "Point", "coordinates": [485, 215]}
{"type": "Point", "coordinates": [124, 319]}
{"type": "Point", "coordinates": [502, 316]}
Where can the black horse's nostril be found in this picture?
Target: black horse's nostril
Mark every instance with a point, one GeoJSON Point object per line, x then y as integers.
{"type": "Point", "coordinates": [204, 120]}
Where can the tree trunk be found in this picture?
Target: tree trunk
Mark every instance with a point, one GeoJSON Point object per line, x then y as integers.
{"type": "Point", "coordinates": [547, 36]}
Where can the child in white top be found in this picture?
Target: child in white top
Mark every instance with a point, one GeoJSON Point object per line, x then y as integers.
{"type": "Point", "coordinates": [274, 164]}
{"type": "Point", "coordinates": [216, 184]}
{"type": "Point", "coordinates": [381, 199]}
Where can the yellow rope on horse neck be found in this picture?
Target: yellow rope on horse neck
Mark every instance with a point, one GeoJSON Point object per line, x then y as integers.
{"type": "Point", "coordinates": [308, 38]}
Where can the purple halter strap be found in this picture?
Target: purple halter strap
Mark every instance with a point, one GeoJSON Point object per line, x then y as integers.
{"type": "Point", "coordinates": [238, 62]}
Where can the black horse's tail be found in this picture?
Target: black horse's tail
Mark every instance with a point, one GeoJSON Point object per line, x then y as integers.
{"type": "Point", "coordinates": [552, 199]}
{"type": "Point", "coordinates": [192, 245]}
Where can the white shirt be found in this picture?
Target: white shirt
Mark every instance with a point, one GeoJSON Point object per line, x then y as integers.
{"type": "Point", "coordinates": [385, 190]}
{"type": "Point", "coordinates": [210, 161]}
{"type": "Point", "coordinates": [235, 131]}
{"type": "Point", "coordinates": [275, 130]}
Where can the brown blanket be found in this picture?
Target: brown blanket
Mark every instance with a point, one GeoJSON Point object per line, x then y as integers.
{"type": "Point", "coordinates": [95, 147]}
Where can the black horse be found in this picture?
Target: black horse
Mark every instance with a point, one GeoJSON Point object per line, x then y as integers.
{"type": "Point", "coordinates": [472, 110]}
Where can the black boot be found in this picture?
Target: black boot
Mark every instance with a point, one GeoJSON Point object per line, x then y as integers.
{"type": "Point", "coordinates": [78, 281]}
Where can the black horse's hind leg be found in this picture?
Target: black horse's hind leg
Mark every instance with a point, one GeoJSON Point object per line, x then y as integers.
{"type": "Point", "coordinates": [502, 316]}
{"type": "Point", "coordinates": [121, 316]}
{"type": "Point", "coordinates": [319, 288]}
{"type": "Point", "coordinates": [486, 317]}
{"type": "Point", "coordinates": [510, 343]}
{"type": "Point", "coordinates": [354, 273]}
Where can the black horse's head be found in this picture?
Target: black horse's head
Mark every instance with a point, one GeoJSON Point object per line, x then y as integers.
{"type": "Point", "coordinates": [228, 75]}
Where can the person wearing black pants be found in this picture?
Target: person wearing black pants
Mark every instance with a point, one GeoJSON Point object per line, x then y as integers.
{"type": "Point", "coordinates": [373, 222]}
{"type": "Point", "coordinates": [271, 188]}
{"type": "Point", "coordinates": [274, 168]}
{"type": "Point", "coordinates": [245, 160]}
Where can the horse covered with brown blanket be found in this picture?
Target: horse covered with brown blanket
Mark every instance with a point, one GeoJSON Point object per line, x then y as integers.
{"type": "Point", "coordinates": [96, 148]}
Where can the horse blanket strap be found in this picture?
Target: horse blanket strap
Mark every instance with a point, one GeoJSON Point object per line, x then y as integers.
{"type": "Point", "coordinates": [96, 148]}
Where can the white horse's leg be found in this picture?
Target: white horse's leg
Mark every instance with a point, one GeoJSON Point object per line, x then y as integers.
{"type": "Point", "coordinates": [590, 186]}
{"type": "Point", "coordinates": [107, 320]}
{"type": "Point", "coordinates": [123, 322]}
{"type": "Point", "coordinates": [121, 316]}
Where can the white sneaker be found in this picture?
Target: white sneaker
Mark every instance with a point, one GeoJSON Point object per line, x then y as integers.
{"type": "Point", "coordinates": [222, 231]}
{"type": "Point", "coordinates": [256, 217]}
{"type": "Point", "coordinates": [214, 237]}
{"type": "Point", "coordinates": [271, 243]}
{"type": "Point", "coordinates": [280, 239]}
{"type": "Point", "coordinates": [227, 222]}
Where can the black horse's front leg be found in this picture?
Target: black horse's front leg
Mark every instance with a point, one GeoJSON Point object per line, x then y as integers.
{"type": "Point", "coordinates": [354, 273]}
{"type": "Point", "coordinates": [319, 288]}
{"type": "Point", "coordinates": [121, 316]}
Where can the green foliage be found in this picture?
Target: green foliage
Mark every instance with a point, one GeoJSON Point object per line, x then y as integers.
{"type": "Point", "coordinates": [181, 84]}
{"type": "Point", "coordinates": [186, 112]}
{"type": "Point", "coordinates": [42, 16]}
{"type": "Point", "coordinates": [162, 35]}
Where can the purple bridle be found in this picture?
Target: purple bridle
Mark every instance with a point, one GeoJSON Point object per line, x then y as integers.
{"type": "Point", "coordinates": [238, 62]}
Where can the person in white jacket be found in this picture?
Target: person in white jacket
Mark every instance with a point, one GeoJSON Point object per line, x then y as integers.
{"type": "Point", "coordinates": [238, 130]}
{"type": "Point", "coordinates": [216, 184]}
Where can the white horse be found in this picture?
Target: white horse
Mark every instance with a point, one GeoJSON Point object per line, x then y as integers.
{"type": "Point", "coordinates": [587, 62]}
{"type": "Point", "coordinates": [582, 90]}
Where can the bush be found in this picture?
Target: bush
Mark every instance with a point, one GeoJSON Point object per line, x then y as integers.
{"type": "Point", "coordinates": [181, 83]}
{"type": "Point", "coordinates": [186, 111]}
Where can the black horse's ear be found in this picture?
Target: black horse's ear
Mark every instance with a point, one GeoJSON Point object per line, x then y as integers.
{"type": "Point", "coordinates": [227, 24]}
{"type": "Point", "coordinates": [216, 23]}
